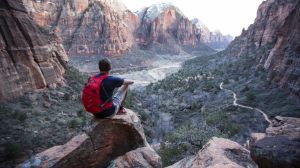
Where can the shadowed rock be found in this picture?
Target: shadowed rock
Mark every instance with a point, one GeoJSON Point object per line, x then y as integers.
{"type": "Point", "coordinates": [104, 140]}
{"type": "Point", "coordinates": [218, 152]}
{"type": "Point", "coordinates": [279, 146]}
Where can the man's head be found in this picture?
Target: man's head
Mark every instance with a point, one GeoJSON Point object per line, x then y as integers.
{"type": "Point", "coordinates": [104, 65]}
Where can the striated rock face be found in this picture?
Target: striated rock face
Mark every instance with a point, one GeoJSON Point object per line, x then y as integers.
{"type": "Point", "coordinates": [30, 58]}
{"type": "Point", "coordinates": [103, 141]}
{"type": "Point", "coordinates": [142, 157]}
{"type": "Point", "coordinates": [106, 27]}
{"type": "Point", "coordinates": [218, 152]}
{"type": "Point", "coordinates": [166, 24]}
{"type": "Point", "coordinates": [279, 146]}
{"type": "Point", "coordinates": [87, 27]}
{"type": "Point", "coordinates": [274, 40]}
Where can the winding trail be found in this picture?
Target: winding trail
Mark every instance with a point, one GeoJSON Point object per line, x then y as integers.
{"type": "Point", "coordinates": [243, 106]}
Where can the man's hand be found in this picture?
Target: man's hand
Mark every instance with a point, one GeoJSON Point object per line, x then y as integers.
{"type": "Point", "coordinates": [128, 82]}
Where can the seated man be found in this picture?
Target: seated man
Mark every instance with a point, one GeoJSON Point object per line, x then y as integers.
{"type": "Point", "coordinates": [108, 104]}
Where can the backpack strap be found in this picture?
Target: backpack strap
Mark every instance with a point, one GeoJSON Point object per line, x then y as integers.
{"type": "Point", "coordinates": [107, 100]}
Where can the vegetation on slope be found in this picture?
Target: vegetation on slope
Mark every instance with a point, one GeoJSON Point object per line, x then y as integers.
{"type": "Point", "coordinates": [200, 109]}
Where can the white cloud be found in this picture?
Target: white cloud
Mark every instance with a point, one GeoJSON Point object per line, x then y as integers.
{"type": "Point", "coordinates": [228, 16]}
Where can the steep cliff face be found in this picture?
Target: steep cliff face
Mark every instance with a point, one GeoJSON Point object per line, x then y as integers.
{"type": "Point", "coordinates": [273, 40]}
{"type": "Point", "coordinates": [87, 27]}
{"type": "Point", "coordinates": [29, 58]}
{"type": "Point", "coordinates": [106, 27]}
{"type": "Point", "coordinates": [164, 23]}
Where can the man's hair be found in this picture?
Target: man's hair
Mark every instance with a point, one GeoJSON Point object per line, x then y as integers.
{"type": "Point", "coordinates": [104, 65]}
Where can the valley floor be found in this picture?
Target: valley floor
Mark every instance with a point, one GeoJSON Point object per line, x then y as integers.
{"type": "Point", "coordinates": [180, 108]}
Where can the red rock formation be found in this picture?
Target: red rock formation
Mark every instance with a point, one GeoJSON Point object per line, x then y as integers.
{"type": "Point", "coordinates": [164, 23]}
{"type": "Point", "coordinates": [142, 157]}
{"type": "Point", "coordinates": [104, 140]}
{"type": "Point", "coordinates": [86, 27]}
{"type": "Point", "coordinates": [279, 147]}
{"type": "Point", "coordinates": [274, 40]}
{"type": "Point", "coordinates": [218, 152]}
{"type": "Point", "coordinates": [30, 58]}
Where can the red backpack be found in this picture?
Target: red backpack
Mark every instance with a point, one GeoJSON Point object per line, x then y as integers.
{"type": "Point", "coordinates": [91, 98]}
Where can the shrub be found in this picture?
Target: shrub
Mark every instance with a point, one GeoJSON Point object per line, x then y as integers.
{"type": "Point", "coordinates": [250, 96]}
{"type": "Point", "coordinates": [171, 154]}
{"type": "Point", "coordinates": [20, 115]}
{"type": "Point", "coordinates": [186, 140]}
{"type": "Point", "coordinates": [12, 150]}
{"type": "Point", "coordinates": [74, 123]}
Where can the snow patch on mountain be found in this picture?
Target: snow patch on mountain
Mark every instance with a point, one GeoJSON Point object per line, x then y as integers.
{"type": "Point", "coordinates": [199, 24]}
{"type": "Point", "coordinates": [155, 10]}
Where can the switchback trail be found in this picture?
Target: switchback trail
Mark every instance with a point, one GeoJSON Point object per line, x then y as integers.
{"type": "Point", "coordinates": [243, 106]}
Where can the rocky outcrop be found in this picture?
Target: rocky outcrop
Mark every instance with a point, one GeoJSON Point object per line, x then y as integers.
{"type": "Point", "coordinates": [279, 146]}
{"type": "Point", "coordinates": [87, 27]}
{"type": "Point", "coordinates": [29, 57]}
{"type": "Point", "coordinates": [274, 40]}
{"type": "Point", "coordinates": [104, 140]}
{"type": "Point", "coordinates": [142, 157]}
{"type": "Point", "coordinates": [218, 152]}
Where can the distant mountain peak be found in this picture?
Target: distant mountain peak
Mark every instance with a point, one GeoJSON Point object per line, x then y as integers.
{"type": "Point", "coordinates": [199, 24]}
{"type": "Point", "coordinates": [153, 11]}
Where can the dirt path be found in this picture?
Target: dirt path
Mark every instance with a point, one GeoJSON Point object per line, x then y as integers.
{"type": "Point", "coordinates": [243, 106]}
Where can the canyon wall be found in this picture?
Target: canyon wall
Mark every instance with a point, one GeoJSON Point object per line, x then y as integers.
{"type": "Point", "coordinates": [87, 27]}
{"type": "Point", "coordinates": [29, 57]}
{"type": "Point", "coordinates": [106, 27]}
{"type": "Point", "coordinates": [273, 39]}
{"type": "Point", "coordinates": [166, 24]}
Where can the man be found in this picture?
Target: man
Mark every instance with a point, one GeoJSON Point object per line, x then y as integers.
{"type": "Point", "coordinates": [108, 105]}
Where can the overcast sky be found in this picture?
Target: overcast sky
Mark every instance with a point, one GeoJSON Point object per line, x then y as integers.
{"type": "Point", "coordinates": [228, 16]}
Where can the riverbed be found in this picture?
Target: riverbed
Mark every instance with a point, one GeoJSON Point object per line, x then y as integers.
{"type": "Point", "coordinates": [156, 69]}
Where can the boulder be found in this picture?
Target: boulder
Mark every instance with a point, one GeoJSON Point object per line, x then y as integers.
{"type": "Point", "coordinates": [144, 157]}
{"type": "Point", "coordinates": [217, 153]}
{"type": "Point", "coordinates": [103, 141]}
{"type": "Point", "coordinates": [279, 146]}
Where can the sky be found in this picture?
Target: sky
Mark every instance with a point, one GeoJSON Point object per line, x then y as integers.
{"type": "Point", "coordinates": [227, 16]}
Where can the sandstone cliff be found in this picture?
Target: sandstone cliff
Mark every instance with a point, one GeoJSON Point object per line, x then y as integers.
{"type": "Point", "coordinates": [273, 40]}
{"type": "Point", "coordinates": [30, 58]}
{"type": "Point", "coordinates": [87, 27]}
{"type": "Point", "coordinates": [166, 24]}
{"type": "Point", "coordinates": [106, 27]}
{"type": "Point", "coordinates": [103, 141]}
